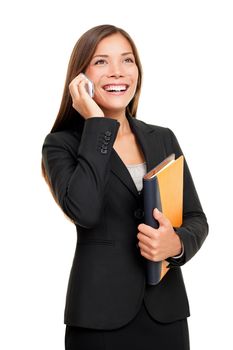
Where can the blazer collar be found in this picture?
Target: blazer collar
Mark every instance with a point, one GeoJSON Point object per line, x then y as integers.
{"type": "Point", "coordinates": [151, 148]}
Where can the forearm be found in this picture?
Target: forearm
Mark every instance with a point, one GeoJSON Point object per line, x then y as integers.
{"type": "Point", "coordinates": [194, 228]}
{"type": "Point", "coordinates": [79, 183]}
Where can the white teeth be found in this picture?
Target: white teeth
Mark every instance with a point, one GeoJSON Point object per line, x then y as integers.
{"type": "Point", "coordinates": [115, 88]}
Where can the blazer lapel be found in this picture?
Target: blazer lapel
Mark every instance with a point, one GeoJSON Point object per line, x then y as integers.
{"type": "Point", "coordinates": [151, 148]}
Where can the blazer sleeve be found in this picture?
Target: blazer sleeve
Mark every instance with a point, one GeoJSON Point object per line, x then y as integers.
{"type": "Point", "coordinates": [194, 229]}
{"type": "Point", "coordinates": [78, 170]}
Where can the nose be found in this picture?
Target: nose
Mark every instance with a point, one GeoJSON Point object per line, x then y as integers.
{"type": "Point", "coordinates": [116, 71]}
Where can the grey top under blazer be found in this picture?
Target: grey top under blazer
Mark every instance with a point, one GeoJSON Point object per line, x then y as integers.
{"type": "Point", "coordinates": [94, 188]}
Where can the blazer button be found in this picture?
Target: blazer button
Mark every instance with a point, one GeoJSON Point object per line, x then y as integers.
{"type": "Point", "coordinates": [139, 213]}
{"type": "Point", "coordinates": [104, 151]}
{"type": "Point", "coordinates": [104, 146]}
{"type": "Point", "coordinates": [108, 133]}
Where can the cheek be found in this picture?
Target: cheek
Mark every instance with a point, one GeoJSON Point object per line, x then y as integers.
{"type": "Point", "coordinates": [135, 79]}
{"type": "Point", "coordinates": [90, 73]}
{"type": "Point", "coordinates": [95, 74]}
{"type": "Point", "coordinates": [134, 75]}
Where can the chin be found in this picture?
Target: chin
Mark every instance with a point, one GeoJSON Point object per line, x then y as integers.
{"type": "Point", "coordinates": [113, 108]}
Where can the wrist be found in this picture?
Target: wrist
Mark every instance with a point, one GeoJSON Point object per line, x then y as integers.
{"type": "Point", "coordinates": [177, 256]}
{"type": "Point", "coordinates": [179, 251]}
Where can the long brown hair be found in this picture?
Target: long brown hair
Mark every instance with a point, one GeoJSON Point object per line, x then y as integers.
{"type": "Point", "coordinates": [80, 58]}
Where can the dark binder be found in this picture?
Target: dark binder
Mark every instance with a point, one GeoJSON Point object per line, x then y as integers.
{"type": "Point", "coordinates": [163, 189]}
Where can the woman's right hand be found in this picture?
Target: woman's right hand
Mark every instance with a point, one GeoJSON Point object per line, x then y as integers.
{"type": "Point", "coordinates": [82, 101]}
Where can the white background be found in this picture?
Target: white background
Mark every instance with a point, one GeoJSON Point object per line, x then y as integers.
{"type": "Point", "coordinates": [186, 52]}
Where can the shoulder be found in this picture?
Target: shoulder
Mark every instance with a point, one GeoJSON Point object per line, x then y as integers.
{"type": "Point", "coordinates": [158, 129]}
{"type": "Point", "coordinates": [62, 138]}
{"type": "Point", "coordinates": [61, 141]}
{"type": "Point", "coordinates": [162, 134]}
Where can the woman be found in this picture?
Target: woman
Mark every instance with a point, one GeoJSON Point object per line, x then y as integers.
{"type": "Point", "coordinates": [94, 159]}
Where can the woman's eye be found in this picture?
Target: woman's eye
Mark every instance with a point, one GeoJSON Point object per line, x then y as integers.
{"type": "Point", "coordinates": [100, 62]}
{"type": "Point", "coordinates": [129, 60]}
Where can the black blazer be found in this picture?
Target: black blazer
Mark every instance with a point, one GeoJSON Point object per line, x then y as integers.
{"type": "Point", "coordinates": [94, 188]}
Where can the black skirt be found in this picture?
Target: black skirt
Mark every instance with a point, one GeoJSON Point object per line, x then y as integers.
{"type": "Point", "coordinates": [142, 333]}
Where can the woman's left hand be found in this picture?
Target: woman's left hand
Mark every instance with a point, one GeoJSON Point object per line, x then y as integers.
{"type": "Point", "coordinates": [158, 244]}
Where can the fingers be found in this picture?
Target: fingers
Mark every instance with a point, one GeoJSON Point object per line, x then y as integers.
{"type": "Point", "coordinates": [82, 88]}
{"type": "Point", "coordinates": [77, 87]}
{"type": "Point", "coordinates": [147, 230]}
{"type": "Point", "coordinates": [157, 244]}
{"type": "Point", "coordinates": [150, 251]}
{"type": "Point", "coordinates": [73, 88]}
{"type": "Point", "coordinates": [149, 256]}
{"type": "Point", "coordinates": [145, 247]}
{"type": "Point", "coordinates": [163, 223]}
{"type": "Point", "coordinates": [151, 248]}
{"type": "Point", "coordinates": [147, 239]}
{"type": "Point", "coordinates": [154, 243]}
{"type": "Point", "coordinates": [81, 101]}
{"type": "Point", "coordinates": [144, 241]}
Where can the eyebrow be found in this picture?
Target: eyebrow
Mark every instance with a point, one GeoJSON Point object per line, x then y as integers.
{"type": "Point", "coordinates": [123, 54]}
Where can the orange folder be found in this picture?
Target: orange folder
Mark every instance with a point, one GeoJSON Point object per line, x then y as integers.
{"type": "Point", "coordinates": [163, 189]}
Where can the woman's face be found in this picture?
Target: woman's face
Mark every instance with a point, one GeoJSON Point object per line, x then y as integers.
{"type": "Point", "coordinates": [114, 73]}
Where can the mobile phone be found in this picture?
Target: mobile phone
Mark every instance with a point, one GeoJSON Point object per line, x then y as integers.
{"type": "Point", "coordinates": [89, 86]}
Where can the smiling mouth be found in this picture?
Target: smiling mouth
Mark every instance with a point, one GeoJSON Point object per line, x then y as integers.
{"type": "Point", "coordinates": [115, 88]}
